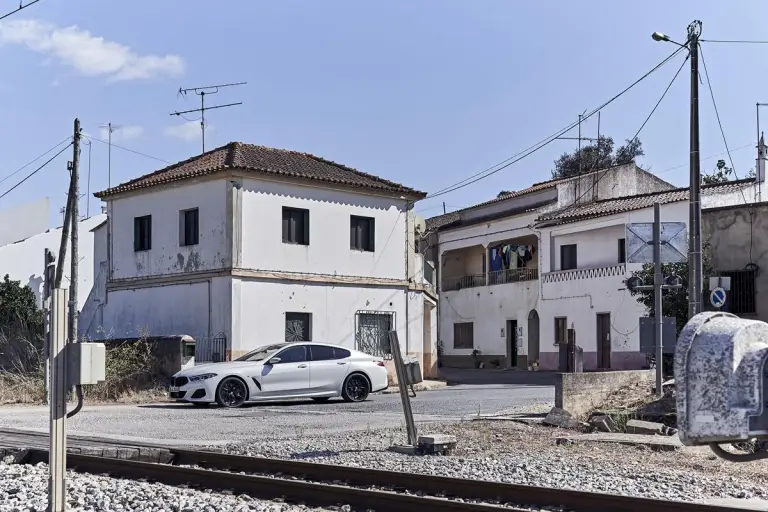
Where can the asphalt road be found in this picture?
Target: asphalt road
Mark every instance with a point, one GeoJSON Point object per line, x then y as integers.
{"type": "Point", "coordinates": [186, 424]}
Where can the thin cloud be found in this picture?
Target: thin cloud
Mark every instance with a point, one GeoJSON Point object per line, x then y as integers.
{"type": "Point", "coordinates": [125, 132]}
{"type": "Point", "coordinates": [90, 55]}
{"type": "Point", "coordinates": [187, 131]}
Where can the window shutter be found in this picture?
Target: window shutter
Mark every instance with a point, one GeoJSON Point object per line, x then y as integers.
{"type": "Point", "coordinates": [149, 232]}
{"type": "Point", "coordinates": [136, 235]}
{"type": "Point", "coordinates": [305, 226]}
{"type": "Point", "coordinates": [352, 233]}
{"type": "Point", "coordinates": [372, 234]}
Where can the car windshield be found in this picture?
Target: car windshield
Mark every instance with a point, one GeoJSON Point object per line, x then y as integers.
{"type": "Point", "coordinates": [261, 353]}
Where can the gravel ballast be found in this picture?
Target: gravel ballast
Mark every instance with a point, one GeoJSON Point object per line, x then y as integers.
{"type": "Point", "coordinates": [24, 488]}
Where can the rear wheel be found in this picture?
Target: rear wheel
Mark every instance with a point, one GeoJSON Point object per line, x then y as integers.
{"type": "Point", "coordinates": [321, 399]}
{"type": "Point", "coordinates": [356, 388]}
{"type": "Point", "coordinates": [231, 392]}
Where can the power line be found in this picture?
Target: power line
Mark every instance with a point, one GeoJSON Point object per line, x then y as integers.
{"type": "Point", "coordinates": [532, 149]}
{"type": "Point", "coordinates": [17, 171]}
{"type": "Point", "coordinates": [668, 169]}
{"type": "Point", "coordinates": [129, 150]}
{"type": "Point", "coordinates": [21, 7]}
{"type": "Point", "coordinates": [732, 41]}
{"type": "Point", "coordinates": [35, 171]}
{"type": "Point", "coordinates": [663, 95]}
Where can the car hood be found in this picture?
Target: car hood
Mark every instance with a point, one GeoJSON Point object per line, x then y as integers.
{"type": "Point", "coordinates": [214, 368]}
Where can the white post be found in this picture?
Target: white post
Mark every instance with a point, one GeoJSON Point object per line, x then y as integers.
{"type": "Point", "coordinates": [57, 458]}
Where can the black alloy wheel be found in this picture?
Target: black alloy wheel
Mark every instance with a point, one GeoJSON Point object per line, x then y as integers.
{"type": "Point", "coordinates": [356, 388]}
{"type": "Point", "coordinates": [231, 393]}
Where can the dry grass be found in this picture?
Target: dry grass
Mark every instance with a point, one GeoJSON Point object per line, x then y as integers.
{"type": "Point", "coordinates": [133, 374]}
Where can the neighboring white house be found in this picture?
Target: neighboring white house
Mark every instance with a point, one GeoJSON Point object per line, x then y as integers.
{"type": "Point", "coordinates": [246, 245]}
{"type": "Point", "coordinates": [518, 271]}
{"type": "Point", "coordinates": [23, 260]}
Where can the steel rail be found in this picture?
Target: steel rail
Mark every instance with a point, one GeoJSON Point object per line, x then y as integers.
{"type": "Point", "coordinates": [309, 488]}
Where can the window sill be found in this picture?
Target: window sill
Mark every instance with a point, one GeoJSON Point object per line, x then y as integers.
{"type": "Point", "coordinates": [354, 249]}
{"type": "Point", "coordinates": [189, 245]}
{"type": "Point", "coordinates": [142, 250]}
{"type": "Point", "coordinates": [295, 243]}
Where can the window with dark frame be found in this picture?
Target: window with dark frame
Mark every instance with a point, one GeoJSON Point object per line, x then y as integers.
{"type": "Point", "coordinates": [568, 257]}
{"type": "Point", "coordinates": [561, 329]}
{"type": "Point", "coordinates": [190, 226]}
{"type": "Point", "coordinates": [142, 233]}
{"type": "Point", "coordinates": [622, 250]}
{"type": "Point", "coordinates": [295, 226]}
{"type": "Point", "coordinates": [362, 233]}
{"type": "Point", "coordinates": [298, 326]}
{"type": "Point", "coordinates": [464, 335]}
{"type": "Point", "coordinates": [741, 299]}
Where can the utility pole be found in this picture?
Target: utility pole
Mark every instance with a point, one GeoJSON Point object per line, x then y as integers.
{"type": "Point", "coordinates": [202, 91]}
{"type": "Point", "coordinates": [75, 219]}
{"type": "Point", "coordinates": [695, 277]}
{"type": "Point", "coordinates": [443, 207]}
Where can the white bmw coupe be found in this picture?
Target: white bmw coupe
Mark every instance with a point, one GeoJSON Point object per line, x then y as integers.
{"type": "Point", "coordinates": [282, 371]}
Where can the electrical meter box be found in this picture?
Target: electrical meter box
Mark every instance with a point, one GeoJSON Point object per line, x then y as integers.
{"type": "Point", "coordinates": [87, 363]}
{"type": "Point", "coordinates": [720, 379]}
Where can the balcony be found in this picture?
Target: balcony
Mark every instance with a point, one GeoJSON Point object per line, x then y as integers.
{"type": "Point", "coordinates": [513, 275]}
{"type": "Point", "coordinates": [461, 282]}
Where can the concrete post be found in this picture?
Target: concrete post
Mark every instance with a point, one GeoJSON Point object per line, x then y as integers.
{"type": "Point", "coordinates": [57, 461]}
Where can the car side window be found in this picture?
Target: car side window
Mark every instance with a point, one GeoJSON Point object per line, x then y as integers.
{"type": "Point", "coordinates": [321, 353]}
{"type": "Point", "coordinates": [340, 353]}
{"type": "Point", "coordinates": [293, 355]}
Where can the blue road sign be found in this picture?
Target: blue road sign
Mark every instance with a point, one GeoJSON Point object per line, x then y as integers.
{"type": "Point", "coordinates": [717, 297]}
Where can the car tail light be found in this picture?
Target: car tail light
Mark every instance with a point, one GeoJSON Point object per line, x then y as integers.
{"type": "Point", "coordinates": [380, 363]}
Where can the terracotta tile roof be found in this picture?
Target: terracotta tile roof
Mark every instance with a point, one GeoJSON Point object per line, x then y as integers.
{"type": "Point", "coordinates": [605, 207]}
{"type": "Point", "coordinates": [261, 159]}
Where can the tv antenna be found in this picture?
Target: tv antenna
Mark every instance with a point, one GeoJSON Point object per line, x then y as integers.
{"type": "Point", "coordinates": [202, 92]}
{"type": "Point", "coordinates": [111, 128]}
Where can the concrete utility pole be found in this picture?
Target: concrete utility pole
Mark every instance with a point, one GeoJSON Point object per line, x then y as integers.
{"type": "Point", "coordinates": [57, 460]}
{"type": "Point", "coordinates": [75, 219]}
{"type": "Point", "coordinates": [695, 271]}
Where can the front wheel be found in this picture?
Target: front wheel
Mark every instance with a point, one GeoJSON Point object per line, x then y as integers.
{"type": "Point", "coordinates": [231, 393]}
{"type": "Point", "coordinates": [356, 388]}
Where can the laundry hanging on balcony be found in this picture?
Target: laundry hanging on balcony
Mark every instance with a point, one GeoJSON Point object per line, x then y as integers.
{"type": "Point", "coordinates": [514, 256]}
{"type": "Point", "coordinates": [497, 259]}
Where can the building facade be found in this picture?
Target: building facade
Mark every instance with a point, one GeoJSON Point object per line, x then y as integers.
{"type": "Point", "coordinates": [246, 245]}
{"type": "Point", "coordinates": [518, 272]}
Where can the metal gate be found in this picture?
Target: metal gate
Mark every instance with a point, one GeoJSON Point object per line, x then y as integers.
{"type": "Point", "coordinates": [372, 332]}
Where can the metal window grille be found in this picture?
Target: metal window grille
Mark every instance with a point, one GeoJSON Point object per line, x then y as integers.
{"type": "Point", "coordinates": [561, 328]}
{"type": "Point", "coordinates": [372, 332]}
{"type": "Point", "coordinates": [297, 327]}
{"type": "Point", "coordinates": [464, 335]}
{"type": "Point", "coordinates": [741, 297]}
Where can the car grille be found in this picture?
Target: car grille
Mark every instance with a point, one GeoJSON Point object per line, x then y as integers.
{"type": "Point", "coordinates": [179, 381]}
{"type": "Point", "coordinates": [178, 394]}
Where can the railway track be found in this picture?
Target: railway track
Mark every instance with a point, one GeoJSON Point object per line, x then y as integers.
{"type": "Point", "coordinates": [360, 488]}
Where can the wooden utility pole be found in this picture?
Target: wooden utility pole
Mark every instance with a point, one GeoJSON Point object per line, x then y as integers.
{"type": "Point", "coordinates": [75, 219]}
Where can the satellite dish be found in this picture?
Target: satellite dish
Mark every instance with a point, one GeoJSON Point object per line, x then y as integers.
{"type": "Point", "coordinates": [420, 224]}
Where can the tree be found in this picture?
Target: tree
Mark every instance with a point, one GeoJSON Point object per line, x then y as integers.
{"type": "Point", "coordinates": [18, 308]}
{"type": "Point", "coordinates": [722, 174]}
{"type": "Point", "coordinates": [595, 156]}
{"type": "Point", "coordinates": [675, 301]}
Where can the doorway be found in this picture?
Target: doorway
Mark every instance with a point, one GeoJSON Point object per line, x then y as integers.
{"type": "Point", "coordinates": [533, 337]}
{"type": "Point", "coordinates": [604, 341]}
{"type": "Point", "coordinates": [511, 343]}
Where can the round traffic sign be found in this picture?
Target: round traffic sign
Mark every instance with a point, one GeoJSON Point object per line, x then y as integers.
{"type": "Point", "coordinates": [717, 297]}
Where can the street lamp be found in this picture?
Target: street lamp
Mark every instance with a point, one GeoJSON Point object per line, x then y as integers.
{"type": "Point", "coordinates": [695, 278]}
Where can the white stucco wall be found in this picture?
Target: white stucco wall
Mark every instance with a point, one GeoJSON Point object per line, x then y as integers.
{"type": "Point", "coordinates": [329, 250]}
{"type": "Point", "coordinates": [167, 256]}
{"type": "Point", "coordinates": [23, 260]}
{"type": "Point", "coordinates": [263, 304]}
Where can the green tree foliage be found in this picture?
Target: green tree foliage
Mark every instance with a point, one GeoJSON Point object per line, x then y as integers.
{"type": "Point", "coordinates": [722, 174]}
{"type": "Point", "coordinates": [675, 302]}
{"type": "Point", "coordinates": [18, 309]}
{"type": "Point", "coordinates": [595, 156]}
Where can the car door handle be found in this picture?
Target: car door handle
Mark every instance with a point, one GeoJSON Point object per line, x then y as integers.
{"type": "Point", "coordinates": [302, 366]}
{"type": "Point", "coordinates": [340, 362]}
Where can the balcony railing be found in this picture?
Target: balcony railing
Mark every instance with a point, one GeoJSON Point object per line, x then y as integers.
{"type": "Point", "coordinates": [457, 283]}
{"type": "Point", "coordinates": [513, 275]}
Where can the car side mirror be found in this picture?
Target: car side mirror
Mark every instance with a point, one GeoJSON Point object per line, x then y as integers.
{"type": "Point", "coordinates": [274, 360]}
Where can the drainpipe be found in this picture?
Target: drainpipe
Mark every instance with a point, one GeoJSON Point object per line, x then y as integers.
{"type": "Point", "coordinates": [408, 206]}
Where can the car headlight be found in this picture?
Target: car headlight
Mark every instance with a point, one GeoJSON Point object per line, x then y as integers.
{"type": "Point", "coordinates": [198, 378]}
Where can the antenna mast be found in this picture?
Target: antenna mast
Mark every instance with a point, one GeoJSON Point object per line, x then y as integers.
{"type": "Point", "coordinates": [202, 91]}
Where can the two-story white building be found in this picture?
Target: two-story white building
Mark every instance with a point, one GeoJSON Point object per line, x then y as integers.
{"type": "Point", "coordinates": [518, 271]}
{"type": "Point", "coordinates": [246, 245]}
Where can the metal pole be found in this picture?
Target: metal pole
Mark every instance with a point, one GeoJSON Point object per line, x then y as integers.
{"type": "Point", "coordinates": [88, 186]}
{"type": "Point", "coordinates": [109, 158]}
{"type": "Point", "coordinates": [658, 281]}
{"type": "Point", "coordinates": [202, 116]}
{"type": "Point", "coordinates": [695, 277]}
{"type": "Point", "coordinates": [57, 463]}
{"type": "Point", "coordinates": [402, 381]}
